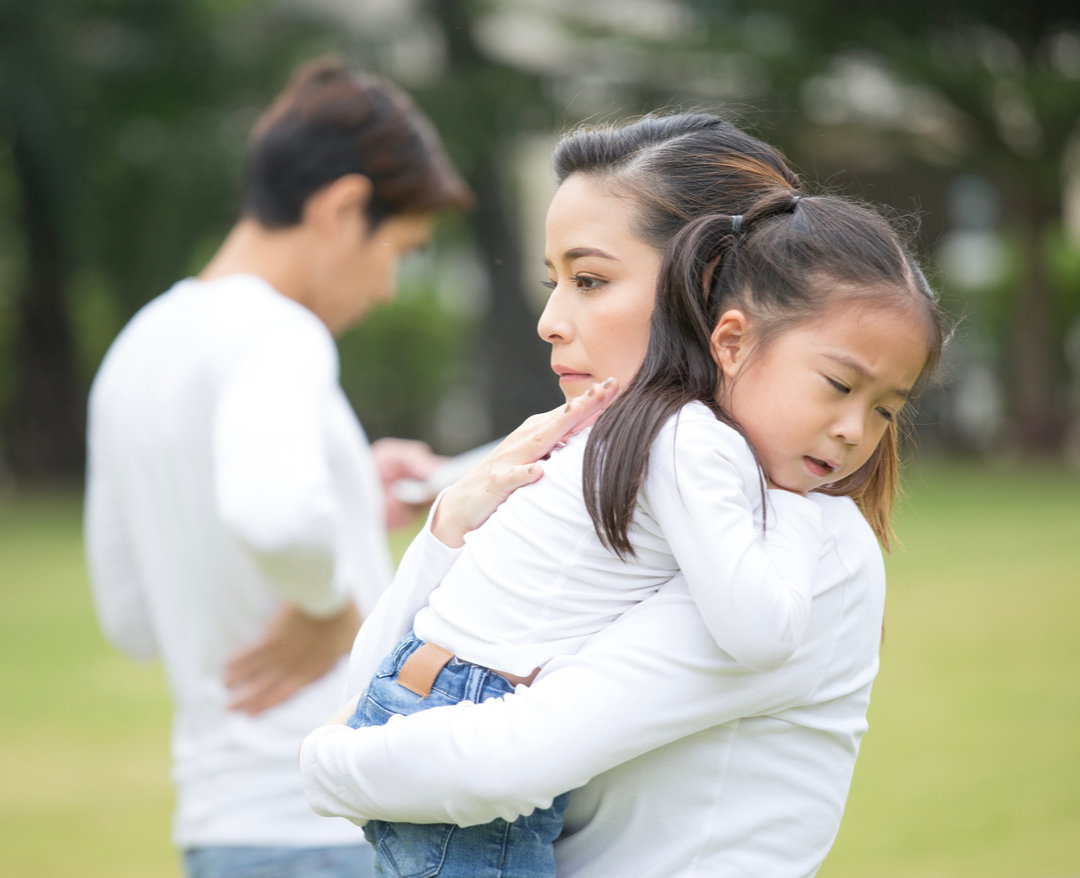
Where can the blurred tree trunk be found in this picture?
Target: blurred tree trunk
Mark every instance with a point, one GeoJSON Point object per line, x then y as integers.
{"type": "Point", "coordinates": [522, 384]}
{"type": "Point", "coordinates": [1040, 420]}
{"type": "Point", "coordinates": [47, 418]}
{"type": "Point", "coordinates": [479, 112]}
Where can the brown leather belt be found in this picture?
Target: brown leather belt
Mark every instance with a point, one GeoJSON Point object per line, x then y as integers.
{"type": "Point", "coordinates": [423, 666]}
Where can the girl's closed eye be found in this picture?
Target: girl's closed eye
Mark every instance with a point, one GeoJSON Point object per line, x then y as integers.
{"type": "Point", "coordinates": [886, 414]}
{"type": "Point", "coordinates": [843, 388]}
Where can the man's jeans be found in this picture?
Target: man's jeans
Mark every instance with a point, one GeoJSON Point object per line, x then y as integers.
{"type": "Point", "coordinates": [349, 861]}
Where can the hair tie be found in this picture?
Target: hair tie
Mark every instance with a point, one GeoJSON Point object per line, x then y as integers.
{"type": "Point", "coordinates": [736, 224]}
{"type": "Point", "coordinates": [795, 200]}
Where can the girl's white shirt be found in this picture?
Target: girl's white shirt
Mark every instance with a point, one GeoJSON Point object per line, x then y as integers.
{"type": "Point", "coordinates": [535, 581]}
{"type": "Point", "coordinates": [227, 475]}
{"type": "Point", "coordinates": [682, 762]}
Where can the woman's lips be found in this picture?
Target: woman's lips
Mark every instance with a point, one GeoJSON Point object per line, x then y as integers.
{"type": "Point", "coordinates": [568, 376]}
{"type": "Point", "coordinates": [819, 468]}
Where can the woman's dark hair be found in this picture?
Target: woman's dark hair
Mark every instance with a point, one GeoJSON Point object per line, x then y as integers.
{"type": "Point", "coordinates": [330, 122]}
{"type": "Point", "coordinates": [735, 231]}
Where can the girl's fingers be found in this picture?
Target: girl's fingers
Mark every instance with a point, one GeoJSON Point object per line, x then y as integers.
{"type": "Point", "coordinates": [587, 408]}
{"type": "Point", "coordinates": [516, 462]}
{"type": "Point", "coordinates": [541, 433]}
{"type": "Point", "coordinates": [519, 476]}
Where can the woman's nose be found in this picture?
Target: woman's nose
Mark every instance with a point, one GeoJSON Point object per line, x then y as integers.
{"type": "Point", "coordinates": [555, 324]}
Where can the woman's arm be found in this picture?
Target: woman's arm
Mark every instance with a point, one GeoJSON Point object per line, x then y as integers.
{"type": "Point", "coordinates": [652, 677]}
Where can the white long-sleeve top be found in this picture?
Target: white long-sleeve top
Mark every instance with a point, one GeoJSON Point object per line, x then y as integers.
{"type": "Point", "coordinates": [683, 762]}
{"type": "Point", "coordinates": [227, 475]}
{"type": "Point", "coordinates": [535, 581]}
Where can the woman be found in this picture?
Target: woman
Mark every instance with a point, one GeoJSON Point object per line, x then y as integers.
{"type": "Point", "coordinates": [692, 764]}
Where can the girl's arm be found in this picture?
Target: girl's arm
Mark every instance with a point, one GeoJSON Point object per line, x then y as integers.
{"type": "Point", "coordinates": [652, 677]}
{"type": "Point", "coordinates": [461, 508]}
{"type": "Point", "coordinates": [753, 588]}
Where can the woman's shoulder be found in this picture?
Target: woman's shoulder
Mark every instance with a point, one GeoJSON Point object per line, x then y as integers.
{"type": "Point", "coordinates": [848, 528]}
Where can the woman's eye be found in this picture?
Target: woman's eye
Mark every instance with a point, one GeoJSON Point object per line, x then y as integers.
{"type": "Point", "coordinates": [584, 282]}
{"type": "Point", "coordinates": [886, 414]}
{"type": "Point", "coordinates": [838, 386]}
{"type": "Point", "coordinates": [550, 284]}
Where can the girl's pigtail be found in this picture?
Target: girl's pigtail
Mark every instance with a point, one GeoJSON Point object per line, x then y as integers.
{"type": "Point", "coordinates": [678, 369]}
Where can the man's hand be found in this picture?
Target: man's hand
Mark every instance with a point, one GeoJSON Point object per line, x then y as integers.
{"type": "Point", "coordinates": [398, 459]}
{"type": "Point", "coordinates": [295, 650]}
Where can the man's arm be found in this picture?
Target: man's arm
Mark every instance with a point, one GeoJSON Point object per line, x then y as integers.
{"type": "Point", "coordinates": [119, 600]}
{"type": "Point", "coordinates": [272, 478]}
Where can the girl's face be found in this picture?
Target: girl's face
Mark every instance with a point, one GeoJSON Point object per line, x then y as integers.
{"type": "Point", "coordinates": [603, 284]}
{"type": "Point", "coordinates": [816, 401]}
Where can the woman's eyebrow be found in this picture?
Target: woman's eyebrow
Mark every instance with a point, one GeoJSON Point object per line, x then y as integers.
{"type": "Point", "coordinates": [578, 252]}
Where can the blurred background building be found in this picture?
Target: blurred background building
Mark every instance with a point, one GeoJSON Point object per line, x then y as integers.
{"type": "Point", "coordinates": [123, 123]}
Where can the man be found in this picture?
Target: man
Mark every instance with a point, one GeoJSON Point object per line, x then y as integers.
{"type": "Point", "coordinates": [234, 512]}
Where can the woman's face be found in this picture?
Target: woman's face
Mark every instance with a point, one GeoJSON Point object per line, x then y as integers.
{"type": "Point", "coordinates": [603, 285]}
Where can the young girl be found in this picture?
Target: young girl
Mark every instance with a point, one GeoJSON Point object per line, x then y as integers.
{"type": "Point", "coordinates": [801, 327]}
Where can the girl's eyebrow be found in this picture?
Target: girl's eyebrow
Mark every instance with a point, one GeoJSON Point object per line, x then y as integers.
{"type": "Point", "coordinates": [578, 252]}
{"type": "Point", "coordinates": [861, 370]}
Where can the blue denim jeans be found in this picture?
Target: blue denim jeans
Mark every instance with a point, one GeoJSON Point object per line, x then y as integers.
{"type": "Point", "coordinates": [522, 849]}
{"type": "Point", "coordinates": [347, 861]}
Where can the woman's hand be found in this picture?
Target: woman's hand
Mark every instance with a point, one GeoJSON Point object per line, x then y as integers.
{"type": "Point", "coordinates": [470, 501]}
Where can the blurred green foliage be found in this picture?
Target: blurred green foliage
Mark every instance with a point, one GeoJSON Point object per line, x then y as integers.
{"type": "Point", "coordinates": [123, 122]}
{"type": "Point", "coordinates": [397, 365]}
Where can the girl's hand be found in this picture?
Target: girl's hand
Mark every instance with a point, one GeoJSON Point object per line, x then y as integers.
{"type": "Point", "coordinates": [515, 462]}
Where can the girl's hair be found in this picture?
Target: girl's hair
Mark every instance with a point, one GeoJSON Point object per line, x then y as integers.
{"type": "Point", "coordinates": [330, 122]}
{"type": "Point", "coordinates": [735, 231]}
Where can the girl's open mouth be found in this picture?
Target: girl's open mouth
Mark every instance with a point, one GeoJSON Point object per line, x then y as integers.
{"type": "Point", "coordinates": [819, 468]}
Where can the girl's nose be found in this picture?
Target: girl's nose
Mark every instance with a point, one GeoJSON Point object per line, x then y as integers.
{"type": "Point", "coordinates": [555, 325]}
{"type": "Point", "coordinates": [850, 428]}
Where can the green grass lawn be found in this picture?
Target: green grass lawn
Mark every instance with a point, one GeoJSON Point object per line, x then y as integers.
{"type": "Point", "coordinates": [971, 767]}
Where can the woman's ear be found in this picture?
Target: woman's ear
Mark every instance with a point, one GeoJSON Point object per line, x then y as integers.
{"type": "Point", "coordinates": [730, 342]}
{"type": "Point", "coordinates": [339, 207]}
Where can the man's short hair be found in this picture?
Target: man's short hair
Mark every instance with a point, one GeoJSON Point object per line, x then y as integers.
{"type": "Point", "coordinates": [330, 122]}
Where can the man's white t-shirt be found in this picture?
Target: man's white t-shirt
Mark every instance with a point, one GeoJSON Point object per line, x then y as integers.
{"type": "Point", "coordinates": [228, 475]}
